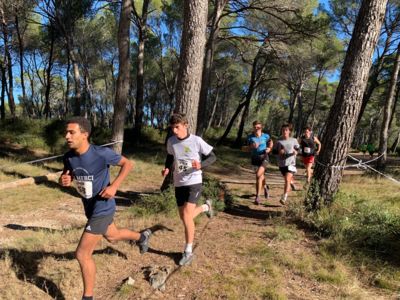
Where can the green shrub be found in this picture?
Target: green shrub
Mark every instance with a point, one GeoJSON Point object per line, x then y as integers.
{"type": "Point", "coordinates": [163, 203]}
{"type": "Point", "coordinates": [53, 135]}
{"type": "Point", "coordinates": [25, 132]}
{"type": "Point", "coordinates": [357, 224]}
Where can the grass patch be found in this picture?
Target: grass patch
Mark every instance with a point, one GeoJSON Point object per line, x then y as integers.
{"type": "Point", "coordinates": [260, 278]}
{"type": "Point", "coordinates": [284, 232]}
{"type": "Point", "coordinates": [163, 203]}
{"type": "Point", "coordinates": [362, 227]}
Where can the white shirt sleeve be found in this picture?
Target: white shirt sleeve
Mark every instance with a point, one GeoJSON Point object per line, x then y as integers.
{"type": "Point", "coordinates": [204, 148]}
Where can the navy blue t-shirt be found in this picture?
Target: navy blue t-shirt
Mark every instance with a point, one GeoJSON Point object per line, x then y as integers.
{"type": "Point", "coordinates": [90, 172]}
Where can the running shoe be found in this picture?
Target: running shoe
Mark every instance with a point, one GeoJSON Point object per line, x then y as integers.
{"type": "Point", "coordinates": [144, 246]}
{"type": "Point", "coordinates": [294, 188]}
{"type": "Point", "coordinates": [283, 200]}
{"type": "Point", "coordinates": [210, 212]}
{"type": "Point", "coordinates": [186, 259]}
{"type": "Point", "coordinates": [257, 201]}
{"type": "Point", "coordinates": [266, 191]}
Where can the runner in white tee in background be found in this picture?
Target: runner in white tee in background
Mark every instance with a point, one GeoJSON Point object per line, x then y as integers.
{"type": "Point", "coordinates": [190, 154]}
{"type": "Point", "coordinates": [287, 148]}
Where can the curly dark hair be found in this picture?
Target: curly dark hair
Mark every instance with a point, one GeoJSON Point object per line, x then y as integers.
{"type": "Point", "coordinates": [84, 124]}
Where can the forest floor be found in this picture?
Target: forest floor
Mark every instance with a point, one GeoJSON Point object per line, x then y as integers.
{"type": "Point", "coordinates": [245, 252]}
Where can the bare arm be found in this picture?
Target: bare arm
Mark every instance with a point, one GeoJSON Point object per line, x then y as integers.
{"type": "Point", "coordinates": [270, 145]}
{"type": "Point", "coordinates": [316, 140]}
{"type": "Point", "coordinates": [126, 166]}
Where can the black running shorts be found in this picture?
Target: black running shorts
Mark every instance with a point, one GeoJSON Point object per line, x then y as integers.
{"type": "Point", "coordinates": [99, 224]}
{"type": "Point", "coordinates": [285, 170]}
{"type": "Point", "coordinates": [188, 193]}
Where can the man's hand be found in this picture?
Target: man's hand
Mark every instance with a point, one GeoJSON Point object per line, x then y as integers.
{"type": "Point", "coordinates": [196, 165]}
{"type": "Point", "coordinates": [254, 145]}
{"type": "Point", "coordinates": [165, 172]}
{"type": "Point", "coordinates": [65, 179]}
{"type": "Point", "coordinates": [108, 192]}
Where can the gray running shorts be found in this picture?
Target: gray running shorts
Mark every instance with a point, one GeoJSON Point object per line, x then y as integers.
{"type": "Point", "coordinates": [99, 224]}
{"type": "Point", "coordinates": [188, 193]}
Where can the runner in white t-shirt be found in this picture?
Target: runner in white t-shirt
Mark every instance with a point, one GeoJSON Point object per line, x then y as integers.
{"type": "Point", "coordinates": [189, 154]}
{"type": "Point", "coordinates": [287, 148]}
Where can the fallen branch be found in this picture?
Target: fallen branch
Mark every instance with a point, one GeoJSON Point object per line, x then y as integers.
{"type": "Point", "coordinates": [30, 181]}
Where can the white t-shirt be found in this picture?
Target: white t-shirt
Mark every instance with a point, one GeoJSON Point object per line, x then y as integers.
{"type": "Point", "coordinates": [289, 146]}
{"type": "Point", "coordinates": [184, 152]}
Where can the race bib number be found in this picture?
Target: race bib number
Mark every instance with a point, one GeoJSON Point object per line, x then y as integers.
{"type": "Point", "coordinates": [84, 188]}
{"type": "Point", "coordinates": [292, 169]}
{"type": "Point", "coordinates": [184, 165]}
{"type": "Point", "coordinates": [307, 150]}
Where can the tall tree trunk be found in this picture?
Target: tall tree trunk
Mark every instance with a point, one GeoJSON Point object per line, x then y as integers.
{"type": "Point", "coordinates": [66, 96]}
{"type": "Point", "coordinates": [48, 76]}
{"type": "Point", "coordinates": [122, 88]}
{"type": "Point", "coordinates": [395, 101]}
{"type": "Point", "coordinates": [346, 108]}
{"type": "Point", "coordinates": [215, 104]}
{"type": "Point", "coordinates": [245, 114]}
{"type": "Point", "coordinates": [312, 110]}
{"type": "Point", "coordinates": [77, 77]}
{"type": "Point", "coordinates": [142, 28]}
{"type": "Point", "coordinates": [8, 65]}
{"type": "Point", "coordinates": [21, 57]}
{"type": "Point", "coordinates": [11, 101]}
{"type": "Point", "coordinates": [373, 78]}
{"type": "Point", "coordinates": [393, 149]}
{"type": "Point", "coordinates": [256, 72]}
{"type": "Point", "coordinates": [384, 134]}
{"type": "Point", "coordinates": [191, 60]}
{"type": "Point", "coordinates": [299, 123]}
{"type": "Point", "coordinates": [207, 68]}
{"type": "Point", "coordinates": [292, 105]}
{"type": "Point", "coordinates": [3, 92]}
{"type": "Point", "coordinates": [232, 120]}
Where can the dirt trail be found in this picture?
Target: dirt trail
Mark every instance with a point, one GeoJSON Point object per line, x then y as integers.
{"type": "Point", "coordinates": [238, 254]}
{"type": "Point", "coordinates": [229, 253]}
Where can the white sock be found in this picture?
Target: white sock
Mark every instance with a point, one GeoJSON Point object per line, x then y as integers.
{"type": "Point", "coordinates": [189, 248]}
{"type": "Point", "coordinates": [205, 207]}
{"type": "Point", "coordinates": [285, 196]}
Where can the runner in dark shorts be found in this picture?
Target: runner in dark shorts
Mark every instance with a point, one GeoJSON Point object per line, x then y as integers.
{"type": "Point", "coordinates": [87, 166]}
{"type": "Point", "coordinates": [287, 148]}
{"type": "Point", "coordinates": [188, 154]}
{"type": "Point", "coordinates": [261, 145]}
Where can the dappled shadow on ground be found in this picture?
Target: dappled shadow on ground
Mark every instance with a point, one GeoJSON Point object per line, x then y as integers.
{"type": "Point", "coordinates": [175, 256]}
{"type": "Point", "coordinates": [37, 228]}
{"type": "Point", "coordinates": [244, 211]}
{"type": "Point", "coordinates": [128, 198]}
{"type": "Point", "coordinates": [26, 266]}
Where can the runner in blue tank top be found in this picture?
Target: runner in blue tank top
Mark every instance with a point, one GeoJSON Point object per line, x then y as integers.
{"type": "Point", "coordinates": [261, 145]}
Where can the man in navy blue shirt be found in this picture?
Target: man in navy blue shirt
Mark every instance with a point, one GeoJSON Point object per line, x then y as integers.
{"type": "Point", "coordinates": [88, 167]}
